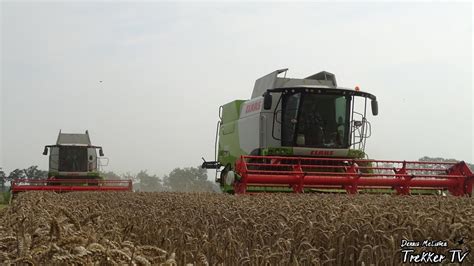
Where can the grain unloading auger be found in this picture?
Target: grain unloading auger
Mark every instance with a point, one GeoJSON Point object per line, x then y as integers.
{"type": "Point", "coordinates": [73, 166]}
{"type": "Point", "coordinates": [302, 135]}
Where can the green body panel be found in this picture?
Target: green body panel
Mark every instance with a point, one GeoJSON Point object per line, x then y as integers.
{"type": "Point", "coordinates": [359, 154]}
{"type": "Point", "coordinates": [53, 173]}
{"type": "Point", "coordinates": [229, 146]}
{"type": "Point", "coordinates": [231, 111]}
{"type": "Point", "coordinates": [88, 175]}
{"type": "Point", "coordinates": [277, 151]}
{"type": "Point", "coordinates": [93, 174]}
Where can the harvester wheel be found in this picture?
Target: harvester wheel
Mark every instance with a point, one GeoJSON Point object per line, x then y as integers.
{"type": "Point", "coordinates": [224, 173]}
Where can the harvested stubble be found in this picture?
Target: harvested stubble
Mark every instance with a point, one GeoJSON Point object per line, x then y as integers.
{"type": "Point", "coordinates": [219, 229]}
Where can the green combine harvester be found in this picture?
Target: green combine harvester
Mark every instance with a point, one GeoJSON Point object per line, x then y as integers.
{"type": "Point", "coordinates": [303, 135]}
{"type": "Point", "coordinates": [73, 166]}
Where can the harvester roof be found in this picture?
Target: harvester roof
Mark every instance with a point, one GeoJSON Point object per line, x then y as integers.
{"type": "Point", "coordinates": [324, 90]}
{"type": "Point", "coordinates": [73, 139]}
{"type": "Point", "coordinates": [272, 80]}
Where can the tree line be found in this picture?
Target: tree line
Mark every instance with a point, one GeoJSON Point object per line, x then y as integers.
{"type": "Point", "coordinates": [31, 172]}
{"type": "Point", "coordinates": [186, 179]}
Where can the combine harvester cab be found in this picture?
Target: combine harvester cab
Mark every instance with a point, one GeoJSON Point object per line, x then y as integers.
{"type": "Point", "coordinates": [73, 166]}
{"type": "Point", "coordinates": [303, 135]}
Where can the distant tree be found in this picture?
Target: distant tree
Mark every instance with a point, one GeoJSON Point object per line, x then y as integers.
{"type": "Point", "coordinates": [148, 182]}
{"type": "Point", "coordinates": [439, 159]}
{"type": "Point", "coordinates": [130, 176]}
{"type": "Point", "coordinates": [16, 174]}
{"type": "Point", "coordinates": [133, 177]}
{"type": "Point", "coordinates": [3, 179]}
{"type": "Point", "coordinates": [33, 172]}
{"type": "Point", "coordinates": [111, 175]}
{"type": "Point", "coordinates": [189, 179]}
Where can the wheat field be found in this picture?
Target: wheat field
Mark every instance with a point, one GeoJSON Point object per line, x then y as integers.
{"type": "Point", "coordinates": [113, 228]}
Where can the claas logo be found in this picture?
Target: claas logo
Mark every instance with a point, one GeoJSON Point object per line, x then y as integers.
{"type": "Point", "coordinates": [253, 107]}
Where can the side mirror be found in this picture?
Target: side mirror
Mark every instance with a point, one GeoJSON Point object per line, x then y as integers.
{"type": "Point", "coordinates": [45, 152]}
{"type": "Point", "coordinates": [267, 101]}
{"type": "Point", "coordinates": [375, 107]}
{"type": "Point", "coordinates": [101, 152]}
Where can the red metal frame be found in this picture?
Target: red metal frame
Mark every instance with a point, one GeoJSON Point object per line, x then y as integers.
{"type": "Point", "coordinates": [60, 185]}
{"type": "Point", "coordinates": [299, 173]}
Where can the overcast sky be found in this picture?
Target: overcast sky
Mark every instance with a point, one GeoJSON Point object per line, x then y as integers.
{"type": "Point", "coordinates": [166, 68]}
